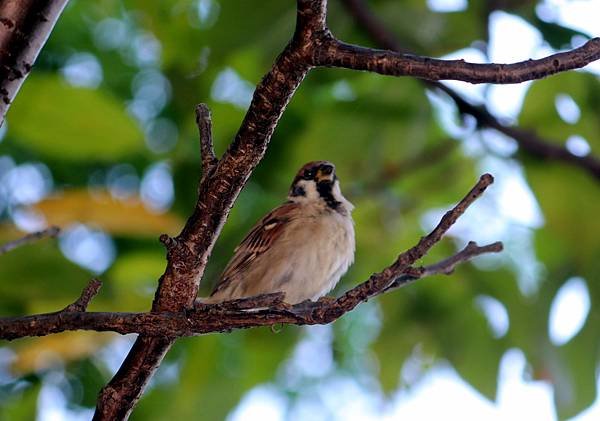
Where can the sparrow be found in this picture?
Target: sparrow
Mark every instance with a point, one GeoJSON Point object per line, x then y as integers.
{"type": "Point", "coordinates": [301, 248]}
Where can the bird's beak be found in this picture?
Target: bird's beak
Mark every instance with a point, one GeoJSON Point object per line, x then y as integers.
{"type": "Point", "coordinates": [326, 173]}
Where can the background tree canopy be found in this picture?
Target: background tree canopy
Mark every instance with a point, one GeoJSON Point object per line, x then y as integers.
{"type": "Point", "coordinates": [101, 141]}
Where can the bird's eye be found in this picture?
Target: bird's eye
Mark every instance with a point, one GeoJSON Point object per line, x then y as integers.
{"type": "Point", "coordinates": [308, 174]}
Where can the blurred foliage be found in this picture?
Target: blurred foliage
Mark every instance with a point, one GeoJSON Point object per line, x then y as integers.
{"type": "Point", "coordinates": [109, 137]}
{"type": "Point", "coordinates": [111, 100]}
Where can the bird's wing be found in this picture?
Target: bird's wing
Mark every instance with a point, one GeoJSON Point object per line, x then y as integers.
{"type": "Point", "coordinates": [259, 239]}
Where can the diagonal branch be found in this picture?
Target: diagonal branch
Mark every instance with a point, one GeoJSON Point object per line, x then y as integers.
{"type": "Point", "coordinates": [527, 140]}
{"type": "Point", "coordinates": [380, 281]}
{"type": "Point", "coordinates": [29, 238]}
{"type": "Point", "coordinates": [267, 309]}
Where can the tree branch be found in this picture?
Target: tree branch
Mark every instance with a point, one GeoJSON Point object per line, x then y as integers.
{"type": "Point", "coordinates": [29, 238]}
{"type": "Point", "coordinates": [186, 259]}
{"type": "Point", "coordinates": [267, 309]}
{"type": "Point", "coordinates": [528, 141]}
{"type": "Point", "coordinates": [380, 281]}
{"type": "Point", "coordinates": [207, 152]}
{"type": "Point", "coordinates": [24, 27]}
{"type": "Point", "coordinates": [334, 53]}
{"type": "Point", "coordinates": [446, 266]}
{"type": "Point", "coordinates": [88, 293]}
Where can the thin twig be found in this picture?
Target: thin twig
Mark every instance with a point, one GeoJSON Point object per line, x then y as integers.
{"type": "Point", "coordinates": [88, 293]}
{"type": "Point", "coordinates": [207, 152]}
{"type": "Point", "coordinates": [446, 266]}
{"type": "Point", "coordinates": [263, 300]}
{"type": "Point", "coordinates": [29, 238]}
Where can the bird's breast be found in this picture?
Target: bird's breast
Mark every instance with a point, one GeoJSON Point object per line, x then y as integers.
{"type": "Point", "coordinates": [324, 249]}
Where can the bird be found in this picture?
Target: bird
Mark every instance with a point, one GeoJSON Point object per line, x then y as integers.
{"type": "Point", "coordinates": [301, 248]}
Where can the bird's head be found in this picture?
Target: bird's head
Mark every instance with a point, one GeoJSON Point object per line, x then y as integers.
{"type": "Point", "coordinates": [317, 181]}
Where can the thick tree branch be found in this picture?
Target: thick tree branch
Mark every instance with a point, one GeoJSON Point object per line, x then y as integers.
{"type": "Point", "coordinates": [189, 252]}
{"type": "Point", "coordinates": [24, 27]}
{"type": "Point", "coordinates": [266, 309]}
{"type": "Point", "coordinates": [334, 53]}
{"type": "Point", "coordinates": [528, 141]}
{"type": "Point", "coordinates": [29, 238]}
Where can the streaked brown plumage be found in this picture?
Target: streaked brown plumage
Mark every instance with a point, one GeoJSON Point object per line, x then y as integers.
{"type": "Point", "coordinates": [302, 247]}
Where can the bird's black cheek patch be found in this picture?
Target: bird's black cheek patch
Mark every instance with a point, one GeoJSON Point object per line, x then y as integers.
{"type": "Point", "coordinates": [298, 191]}
{"type": "Point", "coordinates": [324, 190]}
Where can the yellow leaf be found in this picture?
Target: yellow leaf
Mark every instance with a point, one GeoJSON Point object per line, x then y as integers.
{"type": "Point", "coordinates": [43, 353]}
{"type": "Point", "coordinates": [101, 210]}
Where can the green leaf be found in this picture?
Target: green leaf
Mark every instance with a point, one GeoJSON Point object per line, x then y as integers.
{"type": "Point", "coordinates": [215, 371]}
{"type": "Point", "coordinates": [134, 277]}
{"type": "Point", "coordinates": [558, 36]}
{"type": "Point", "coordinates": [21, 406]}
{"type": "Point", "coordinates": [569, 246]}
{"type": "Point", "coordinates": [63, 122]}
{"type": "Point", "coordinates": [86, 380]}
{"type": "Point", "coordinates": [37, 278]}
{"type": "Point", "coordinates": [540, 114]}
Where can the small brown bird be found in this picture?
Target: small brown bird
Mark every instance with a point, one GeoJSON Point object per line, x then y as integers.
{"type": "Point", "coordinates": [301, 248]}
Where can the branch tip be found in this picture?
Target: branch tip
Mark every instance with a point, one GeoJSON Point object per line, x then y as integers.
{"type": "Point", "coordinates": [207, 152]}
{"type": "Point", "coordinates": [51, 232]}
{"type": "Point", "coordinates": [487, 179]}
{"type": "Point", "coordinates": [169, 242]}
{"type": "Point", "coordinates": [88, 293]}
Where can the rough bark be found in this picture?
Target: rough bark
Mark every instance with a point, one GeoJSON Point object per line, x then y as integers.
{"type": "Point", "coordinates": [24, 28]}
